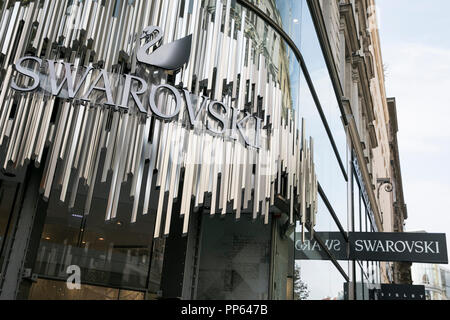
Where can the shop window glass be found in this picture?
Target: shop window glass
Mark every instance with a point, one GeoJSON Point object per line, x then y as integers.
{"type": "Point", "coordinates": [318, 280]}
{"type": "Point", "coordinates": [114, 253]}
{"type": "Point", "coordinates": [235, 259]}
{"type": "Point", "coordinates": [327, 168]}
{"type": "Point", "coordinates": [317, 68]}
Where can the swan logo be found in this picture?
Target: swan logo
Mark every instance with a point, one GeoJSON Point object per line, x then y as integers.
{"type": "Point", "coordinates": [171, 56]}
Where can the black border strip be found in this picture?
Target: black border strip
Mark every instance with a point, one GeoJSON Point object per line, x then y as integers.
{"type": "Point", "coordinates": [306, 74]}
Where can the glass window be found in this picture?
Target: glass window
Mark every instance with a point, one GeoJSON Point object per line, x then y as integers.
{"type": "Point", "coordinates": [235, 259]}
{"type": "Point", "coordinates": [114, 253]}
{"type": "Point", "coordinates": [291, 16]}
{"type": "Point", "coordinates": [318, 280]}
{"type": "Point", "coordinates": [317, 68]}
{"type": "Point", "coordinates": [325, 221]}
{"type": "Point", "coordinates": [283, 260]}
{"type": "Point", "coordinates": [327, 168]}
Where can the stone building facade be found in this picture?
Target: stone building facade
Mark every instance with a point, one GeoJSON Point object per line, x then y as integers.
{"type": "Point", "coordinates": [354, 43]}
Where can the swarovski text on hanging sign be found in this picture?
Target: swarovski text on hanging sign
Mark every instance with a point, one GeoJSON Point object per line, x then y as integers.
{"type": "Point", "coordinates": [227, 120]}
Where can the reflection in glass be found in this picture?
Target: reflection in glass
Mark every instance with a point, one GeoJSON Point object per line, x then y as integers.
{"type": "Point", "coordinates": [317, 68]}
{"type": "Point", "coordinates": [319, 280]}
{"type": "Point", "coordinates": [115, 253]}
{"type": "Point", "coordinates": [327, 168]}
{"type": "Point", "coordinates": [235, 259]}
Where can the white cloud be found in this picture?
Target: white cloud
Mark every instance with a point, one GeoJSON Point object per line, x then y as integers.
{"type": "Point", "coordinates": [419, 77]}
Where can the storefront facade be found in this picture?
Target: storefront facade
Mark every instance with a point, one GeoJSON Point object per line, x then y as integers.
{"type": "Point", "coordinates": [157, 180]}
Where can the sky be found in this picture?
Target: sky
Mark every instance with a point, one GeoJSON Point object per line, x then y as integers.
{"type": "Point", "coordinates": [415, 44]}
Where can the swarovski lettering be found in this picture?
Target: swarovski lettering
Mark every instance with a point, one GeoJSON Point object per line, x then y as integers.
{"type": "Point", "coordinates": [390, 246]}
{"type": "Point", "coordinates": [222, 119]}
{"type": "Point", "coordinates": [307, 245]}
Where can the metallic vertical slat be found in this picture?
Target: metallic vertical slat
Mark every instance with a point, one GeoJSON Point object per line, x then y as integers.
{"type": "Point", "coordinates": [194, 30]}
{"type": "Point", "coordinates": [66, 28]}
{"type": "Point", "coordinates": [86, 16]}
{"type": "Point", "coordinates": [132, 146]}
{"type": "Point", "coordinates": [105, 28]}
{"type": "Point", "coordinates": [189, 165]}
{"type": "Point", "coordinates": [44, 130]}
{"type": "Point", "coordinates": [225, 178]}
{"type": "Point", "coordinates": [59, 24]}
{"type": "Point", "coordinates": [93, 20]}
{"type": "Point", "coordinates": [4, 103]}
{"type": "Point", "coordinates": [92, 145]}
{"type": "Point", "coordinates": [138, 155]}
{"type": "Point", "coordinates": [96, 35]}
{"type": "Point", "coordinates": [51, 29]}
{"type": "Point", "coordinates": [11, 38]}
{"type": "Point", "coordinates": [163, 172]}
{"type": "Point", "coordinates": [180, 163]}
{"type": "Point", "coordinates": [80, 112]}
{"type": "Point", "coordinates": [200, 170]}
{"type": "Point", "coordinates": [109, 56]}
{"type": "Point", "coordinates": [51, 167]}
{"type": "Point", "coordinates": [137, 182]}
{"type": "Point", "coordinates": [26, 30]}
{"type": "Point", "coordinates": [234, 175]}
{"type": "Point", "coordinates": [153, 153]}
{"type": "Point", "coordinates": [127, 25]}
{"type": "Point", "coordinates": [187, 191]}
{"type": "Point", "coordinates": [256, 198]}
{"type": "Point", "coordinates": [77, 23]}
{"type": "Point", "coordinates": [110, 145]}
{"type": "Point", "coordinates": [248, 178]}
{"type": "Point", "coordinates": [120, 168]}
{"type": "Point", "coordinates": [172, 179]}
{"type": "Point", "coordinates": [217, 167]}
{"type": "Point", "coordinates": [18, 127]}
{"type": "Point", "coordinates": [216, 41]}
{"type": "Point", "coordinates": [91, 182]}
{"type": "Point", "coordinates": [67, 132]}
{"type": "Point", "coordinates": [42, 22]}
{"type": "Point", "coordinates": [84, 129]}
{"type": "Point", "coordinates": [22, 143]}
{"type": "Point", "coordinates": [115, 48]}
{"type": "Point", "coordinates": [207, 165]}
{"type": "Point", "coordinates": [32, 137]}
{"type": "Point", "coordinates": [5, 21]}
{"type": "Point", "coordinates": [115, 168]}
{"type": "Point", "coordinates": [238, 197]}
{"type": "Point", "coordinates": [13, 23]}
